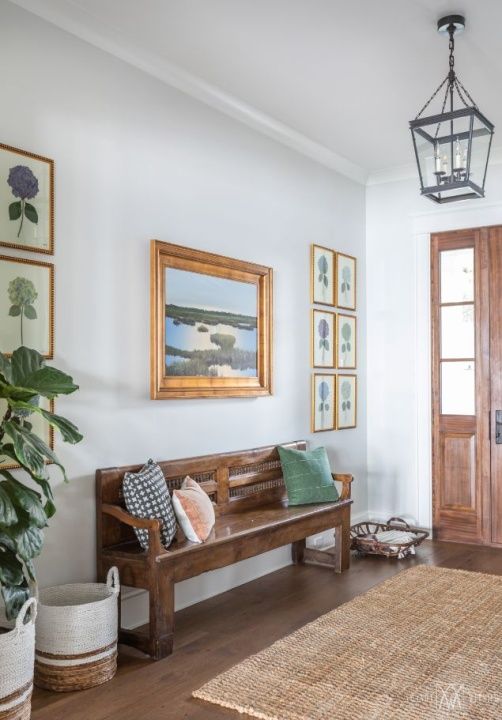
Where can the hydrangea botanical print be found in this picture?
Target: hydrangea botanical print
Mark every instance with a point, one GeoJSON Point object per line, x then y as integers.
{"type": "Point", "coordinates": [323, 326]}
{"type": "Point", "coordinates": [26, 305]}
{"type": "Point", "coordinates": [24, 185]}
{"type": "Point", "coordinates": [346, 341]}
{"type": "Point", "coordinates": [323, 403]}
{"type": "Point", "coordinates": [22, 295]}
{"type": "Point", "coordinates": [346, 406]}
{"type": "Point", "coordinates": [346, 281]}
{"type": "Point", "coordinates": [26, 200]}
{"type": "Point", "coordinates": [322, 275]}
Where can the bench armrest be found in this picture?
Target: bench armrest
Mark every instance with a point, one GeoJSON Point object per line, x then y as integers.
{"type": "Point", "coordinates": [346, 480]}
{"type": "Point", "coordinates": [152, 525]}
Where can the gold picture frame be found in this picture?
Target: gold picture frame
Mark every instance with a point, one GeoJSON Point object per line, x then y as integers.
{"type": "Point", "coordinates": [35, 291]}
{"type": "Point", "coordinates": [323, 339]}
{"type": "Point", "coordinates": [28, 200]}
{"type": "Point", "coordinates": [346, 274]}
{"type": "Point", "coordinates": [211, 325]}
{"type": "Point", "coordinates": [323, 402]}
{"type": "Point", "coordinates": [346, 417]}
{"type": "Point", "coordinates": [322, 278]}
{"type": "Point", "coordinates": [346, 346]}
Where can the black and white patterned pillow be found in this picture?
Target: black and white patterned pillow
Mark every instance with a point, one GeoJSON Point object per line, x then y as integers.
{"type": "Point", "coordinates": [146, 495]}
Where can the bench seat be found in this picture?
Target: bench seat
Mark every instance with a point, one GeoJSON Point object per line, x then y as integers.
{"type": "Point", "coordinates": [248, 523]}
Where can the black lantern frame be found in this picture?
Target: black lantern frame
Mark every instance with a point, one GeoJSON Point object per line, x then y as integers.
{"type": "Point", "coordinates": [452, 148]}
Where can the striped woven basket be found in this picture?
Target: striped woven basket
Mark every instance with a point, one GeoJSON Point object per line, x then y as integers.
{"type": "Point", "coordinates": [17, 653]}
{"type": "Point", "coordinates": [76, 635]}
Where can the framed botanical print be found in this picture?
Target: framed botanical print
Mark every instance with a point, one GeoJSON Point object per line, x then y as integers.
{"type": "Point", "coordinates": [211, 325]}
{"type": "Point", "coordinates": [323, 339]}
{"type": "Point", "coordinates": [26, 305]}
{"type": "Point", "coordinates": [40, 427]}
{"type": "Point", "coordinates": [322, 275]}
{"type": "Point", "coordinates": [323, 402]}
{"type": "Point", "coordinates": [346, 341]}
{"type": "Point", "coordinates": [26, 200]}
{"type": "Point", "coordinates": [345, 281]}
{"type": "Point", "coordinates": [346, 405]}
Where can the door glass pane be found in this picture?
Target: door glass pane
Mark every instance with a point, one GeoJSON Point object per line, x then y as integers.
{"type": "Point", "coordinates": [457, 388]}
{"type": "Point", "coordinates": [457, 275]}
{"type": "Point", "coordinates": [457, 331]}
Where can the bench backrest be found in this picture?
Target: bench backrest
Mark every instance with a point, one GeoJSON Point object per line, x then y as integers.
{"type": "Point", "coordinates": [234, 481]}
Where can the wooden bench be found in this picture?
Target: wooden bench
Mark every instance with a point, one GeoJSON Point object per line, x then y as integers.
{"type": "Point", "coordinates": [252, 516]}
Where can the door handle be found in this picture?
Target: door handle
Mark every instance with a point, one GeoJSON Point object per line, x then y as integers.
{"type": "Point", "coordinates": [498, 427]}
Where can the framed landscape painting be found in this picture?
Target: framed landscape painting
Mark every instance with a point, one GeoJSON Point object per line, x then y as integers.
{"type": "Point", "coordinates": [345, 281]}
{"type": "Point", "coordinates": [211, 325]}
{"type": "Point", "coordinates": [26, 305]}
{"type": "Point", "coordinates": [26, 200]}
{"type": "Point", "coordinates": [346, 341]}
{"type": "Point", "coordinates": [322, 275]}
{"type": "Point", "coordinates": [346, 406]}
{"type": "Point", "coordinates": [323, 339]}
{"type": "Point", "coordinates": [323, 402]}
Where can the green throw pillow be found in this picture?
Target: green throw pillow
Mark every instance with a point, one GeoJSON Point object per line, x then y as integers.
{"type": "Point", "coordinates": [307, 476]}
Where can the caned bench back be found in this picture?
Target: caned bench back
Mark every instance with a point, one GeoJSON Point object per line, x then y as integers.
{"type": "Point", "coordinates": [234, 481]}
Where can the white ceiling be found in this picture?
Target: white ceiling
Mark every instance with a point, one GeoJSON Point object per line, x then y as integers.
{"type": "Point", "coordinates": [338, 79]}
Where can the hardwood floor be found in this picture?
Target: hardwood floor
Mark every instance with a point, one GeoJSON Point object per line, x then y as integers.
{"type": "Point", "coordinates": [217, 633]}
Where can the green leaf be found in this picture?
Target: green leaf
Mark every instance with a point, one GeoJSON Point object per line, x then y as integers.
{"type": "Point", "coordinates": [25, 498]}
{"type": "Point", "coordinates": [7, 510]}
{"type": "Point", "coordinates": [28, 538]}
{"type": "Point", "coordinates": [320, 407]}
{"type": "Point", "coordinates": [14, 597]}
{"type": "Point", "coordinates": [30, 212]}
{"type": "Point", "coordinates": [68, 430]}
{"type": "Point", "coordinates": [18, 393]}
{"type": "Point", "coordinates": [25, 362]}
{"type": "Point", "coordinates": [50, 382]}
{"type": "Point", "coordinates": [326, 407]}
{"type": "Point", "coordinates": [343, 347]}
{"type": "Point", "coordinates": [325, 280]}
{"type": "Point", "coordinates": [14, 310]}
{"type": "Point", "coordinates": [30, 312]}
{"type": "Point", "coordinates": [348, 347]}
{"type": "Point", "coordinates": [15, 210]}
{"type": "Point", "coordinates": [31, 450]}
{"type": "Point", "coordinates": [5, 368]}
{"type": "Point", "coordinates": [11, 569]}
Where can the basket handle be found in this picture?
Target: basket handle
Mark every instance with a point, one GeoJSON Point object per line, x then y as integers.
{"type": "Point", "coordinates": [29, 606]}
{"type": "Point", "coordinates": [113, 580]}
{"type": "Point", "coordinates": [398, 520]}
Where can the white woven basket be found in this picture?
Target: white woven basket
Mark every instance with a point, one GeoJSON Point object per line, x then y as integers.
{"type": "Point", "coordinates": [17, 654]}
{"type": "Point", "coordinates": [76, 635]}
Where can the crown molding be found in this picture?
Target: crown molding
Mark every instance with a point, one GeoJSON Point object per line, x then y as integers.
{"type": "Point", "coordinates": [84, 25]}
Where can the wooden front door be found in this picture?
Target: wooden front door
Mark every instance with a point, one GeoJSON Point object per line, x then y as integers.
{"type": "Point", "coordinates": [466, 348]}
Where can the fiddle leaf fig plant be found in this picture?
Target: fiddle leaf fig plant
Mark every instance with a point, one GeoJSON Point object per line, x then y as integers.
{"type": "Point", "coordinates": [24, 511]}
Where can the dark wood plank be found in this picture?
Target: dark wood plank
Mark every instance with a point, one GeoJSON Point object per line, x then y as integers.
{"type": "Point", "coordinates": [219, 632]}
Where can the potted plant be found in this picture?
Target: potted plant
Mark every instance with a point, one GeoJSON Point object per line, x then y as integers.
{"type": "Point", "coordinates": [24, 510]}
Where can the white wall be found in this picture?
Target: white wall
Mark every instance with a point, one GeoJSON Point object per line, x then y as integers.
{"type": "Point", "coordinates": [135, 160]}
{"type": "Point", "coordinates": [399, 223]}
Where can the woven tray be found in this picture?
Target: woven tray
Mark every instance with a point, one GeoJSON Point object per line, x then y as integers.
{"type": "Point", "coordinates": [363, 538]}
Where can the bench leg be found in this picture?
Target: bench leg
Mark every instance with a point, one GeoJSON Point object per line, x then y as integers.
{"type": "Point", "coordinates": [161, 613]}
{"type": "Point", "coordinates": [298, 551]}
{"type": "Point", "coordinates": [342, 544]}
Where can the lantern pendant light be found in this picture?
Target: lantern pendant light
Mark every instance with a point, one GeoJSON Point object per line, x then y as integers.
{"type": "Point", "coordinates": [452, 148]}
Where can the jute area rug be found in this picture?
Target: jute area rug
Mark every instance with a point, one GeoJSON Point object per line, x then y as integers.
{"type": "Point", "coordinates": [424, 645]}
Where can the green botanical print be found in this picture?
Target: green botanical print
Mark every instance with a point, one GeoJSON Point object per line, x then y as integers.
{"type": "Point", "coordinates": [22, 295]}
{"type": "Point", "coordinates": [346, 393]}
{"type": "Point", "coordinates": [323, 392]}
{"type": "Point", "coordinates": [346, 282]}
{"type": "Point", "coordinates": [323, 267]}
{"type": "Point", "coordinates": [346, 345]}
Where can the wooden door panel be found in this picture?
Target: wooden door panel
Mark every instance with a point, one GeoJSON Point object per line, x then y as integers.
{"type": "Point", "coordinates": [458, 472]}
{"type": "Point", "coordinates": [460, 443]}
{"type": "Point", "coordinates": [495, 242]}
